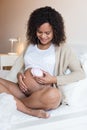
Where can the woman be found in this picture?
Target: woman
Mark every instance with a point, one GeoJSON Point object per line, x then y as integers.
{"type": "Point", "coordinates": [48, 52]}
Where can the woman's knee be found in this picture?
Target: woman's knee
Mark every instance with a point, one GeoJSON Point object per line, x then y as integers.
{"type": "Point", "coordinates": [52, 98]}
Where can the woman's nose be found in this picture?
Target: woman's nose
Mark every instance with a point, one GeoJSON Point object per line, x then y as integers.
{"type": "Point", "coordinates": [43, 35]}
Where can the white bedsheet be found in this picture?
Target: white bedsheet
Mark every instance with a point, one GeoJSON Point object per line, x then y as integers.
{"type": "Point", "coordinates": [63, 118]}
{"type": "Point", "coordinates": [7, 109]}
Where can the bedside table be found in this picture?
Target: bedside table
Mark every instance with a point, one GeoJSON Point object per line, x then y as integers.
{"type": "Point", "coordinates": [7, 60]}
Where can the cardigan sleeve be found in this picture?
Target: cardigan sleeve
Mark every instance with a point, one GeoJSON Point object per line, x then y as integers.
{"type": "Point", "coordinates": [73, 64]}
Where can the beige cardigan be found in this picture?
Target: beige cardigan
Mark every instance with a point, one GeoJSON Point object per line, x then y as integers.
{"type": "Point", "coordinates": [65, 58]}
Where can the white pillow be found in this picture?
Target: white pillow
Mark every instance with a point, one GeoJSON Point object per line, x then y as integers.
{"type": "Point", "coordinates": [83, 60]}
{"type": "Point", "coordinates": [79, 95]}
{"type": "Point", "coordinates": [75, 94]}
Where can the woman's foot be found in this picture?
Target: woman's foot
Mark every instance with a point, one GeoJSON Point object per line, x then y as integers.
{"type": "Point", "coordinates": [38, 113]}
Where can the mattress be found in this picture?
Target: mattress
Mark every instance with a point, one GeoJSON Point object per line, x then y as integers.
{"type": "Point", "coordinates": [63, 118]}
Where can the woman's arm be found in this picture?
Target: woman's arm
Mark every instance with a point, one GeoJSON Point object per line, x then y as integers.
{"type": "Point", "coordinates": [69, 60]}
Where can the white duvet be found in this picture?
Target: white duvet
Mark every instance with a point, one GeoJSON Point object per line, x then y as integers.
{"type": "Point", "coordinates": [7, 110]}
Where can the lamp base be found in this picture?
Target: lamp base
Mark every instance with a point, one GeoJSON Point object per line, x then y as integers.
{"type": "Point", "coordinates": [12, 53]}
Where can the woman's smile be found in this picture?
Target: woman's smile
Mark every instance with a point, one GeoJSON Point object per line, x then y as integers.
{"type": "Point", "coordinates": [45, 33]}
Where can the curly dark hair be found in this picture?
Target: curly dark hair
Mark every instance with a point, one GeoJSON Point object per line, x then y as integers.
{"type": "Point", "coordinates": [46, 15]}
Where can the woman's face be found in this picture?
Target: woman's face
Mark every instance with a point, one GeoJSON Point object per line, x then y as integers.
{"type": "Point", "coordinates": [45, 33]}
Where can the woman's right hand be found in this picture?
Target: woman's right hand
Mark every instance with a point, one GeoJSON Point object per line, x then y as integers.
{"type": "Point", "coordinates": [22, 86]}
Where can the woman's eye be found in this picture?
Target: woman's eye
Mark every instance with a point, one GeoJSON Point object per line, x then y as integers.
{"type": "Point", "coordinates": [47, 33]}
{"type": "Point", "coordinates": [39, 32]}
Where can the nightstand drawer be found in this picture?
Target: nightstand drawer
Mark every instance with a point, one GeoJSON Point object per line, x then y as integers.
{"type": "Point", "coordinates": [7, 60]}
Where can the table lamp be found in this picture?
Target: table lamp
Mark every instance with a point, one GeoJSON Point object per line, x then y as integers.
{"type": "Point", "coordinates": [12, 41]}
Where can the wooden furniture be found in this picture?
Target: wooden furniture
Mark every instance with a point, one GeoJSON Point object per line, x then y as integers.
{"type": "Point", "coordinates": [7, 60]}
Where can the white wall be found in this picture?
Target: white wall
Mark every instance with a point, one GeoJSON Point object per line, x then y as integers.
{"type": "Point", "coordinates": [14, 15]}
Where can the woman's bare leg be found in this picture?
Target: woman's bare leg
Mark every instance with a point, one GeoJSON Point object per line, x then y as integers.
{"type": "Point", "coordinates": [46, 98]}
{"type": "Point", "coordinates": [12, 87]}
{"type": "Point", "coordinates": [42, 96]}
{"type": "Point", "coordinates": [20, 105]}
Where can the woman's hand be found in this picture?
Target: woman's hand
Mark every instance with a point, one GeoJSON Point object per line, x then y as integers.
{"type": "Point", "coordinates": [46, 79]}
{"type": "Point", "coordinates": [22, 86]}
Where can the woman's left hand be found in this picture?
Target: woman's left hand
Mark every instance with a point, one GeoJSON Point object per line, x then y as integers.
{"type": "Point", "coordinates": [46, 79]}
{"type": "Point", "coordinates": [22, 86]}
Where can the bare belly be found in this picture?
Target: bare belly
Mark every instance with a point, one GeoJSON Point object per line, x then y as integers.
{"type": "Point", "coordinates": [30, 82]}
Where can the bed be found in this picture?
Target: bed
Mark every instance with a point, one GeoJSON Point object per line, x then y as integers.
{"type": "Point", "coordinates": [66, 117]}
